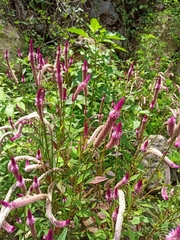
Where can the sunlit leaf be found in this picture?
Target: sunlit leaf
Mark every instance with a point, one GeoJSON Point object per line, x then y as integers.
{"type": "Point", "coordinates": [2, 95]}
{"type": "Point", "coordinates": [63, 234]}
{"type": "Point", "coordinates": [94, 25]}
{"type": "Point", "coordinates": [78, 31]}
{"type": "Point", "coordinates": [10, 111]}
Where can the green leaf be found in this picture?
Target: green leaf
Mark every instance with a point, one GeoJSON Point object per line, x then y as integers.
{"type": "Point", "coordinates": [146, 205]}
{"type": "Point", "coordinates": [63, 234]}
{"type": "Point", "coordinates": [22, 106]}
{"type": "Point", "coordinates": [146, 112]}
{"type": "Point", "coordinates": [2, 95]}
{"type": "Point", "coordinates": [136, 220]}
{"type": "Point", "coordinates": [78, 31]}
{"type": "Point", "coordinates": [115, 37]}
{"type": "Point", "coordinates": [134, 177]}
{"type": "Point", "coordinates": [105, 212]}
{"type": "Point", "coordinates": [31, 135]}
{"type": "Point", "coordinates": [119, 48]}
{"type": "Point", "coordinates": [31, 4]}
{"type": "Point", "coordinates": [94, 25]}
{"type": "Point", "coordinates": [100, 234]}
{"type": "Point", "coordinates": [82, 177]}
{"type": "Point", "coordinates": [136, 124]}
{"type": "Point", "coordinates": [10, 111]}
{"type": "Point", "coordinates": [129, 198]}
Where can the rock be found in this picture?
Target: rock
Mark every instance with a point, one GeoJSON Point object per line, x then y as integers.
{"type": "Point", "coordinates": [40, 28]}
{"type": "Point", "coordinates": [105, 11]}
{"type": "Point", "coordinates": [150, 162]}
{"type": "Point", "coordinates": [9, 40]}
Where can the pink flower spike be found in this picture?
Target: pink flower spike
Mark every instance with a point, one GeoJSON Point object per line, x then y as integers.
{"type": "Point", "coordinates": [117, 133]}
{"type": "Point", "coordinates": [37, 54]}
{"type": "Point", "coordinates": [5, 204]}
{"type": "Point", "coordinates": [137, 133]}
{"type": "Point", "coordinates": [9, 228]}
{"type": "Point", "coordinates": [6, 55]}
{"type": "Point", "coordinates": [19, 53]}
{"type": "Point", "coordinates": [40, 97]}
{"type": "Point", "coordinates": [63, 223]}
{"type": "Point", "coordinates": [21, 183]}
{"type": "Point", "coordinates": [84, 70]}
{"type": "Point", "coordinates": [64, 94]}
{"type": "Point", "coordinates": [23, 201]}
{"type": "Point", "coordinates": [164, 193]}
{"type": "Point", "coordinates": [18, 220]}
{"type": "Point", "coordinates": [85, 66]}
{"type": "Point", "coordinates": [144, 146]}
{"type": "Point", "coordinates": [108, 195]}
{"type": "Point", "coordinates": [177, 144]}
{"type": "Point", "coordinates": [49, 235]}
{"type": "Point", "coordinates": [13, 167]}
{"type": "Point", "coordinates": [40, 62]}
{"type": "Point", "coordinates": [113, 115]}
{"type": "Point", "coordinates": [85, 129]}
{"type": "Point", "coordinates": [81, 87]}
{"type": "Point", "coordinates": [87, 79]}
{"type": "Point", "coordinates": [114, 214]}
{"type": "Point", "coordinates": [30, 218]}
{"type": "Point", "coordinates": [138, 187]}
{"type": "Point", "coordinates": [115, 194]}
{"type": "Point", "coordinates": [158, 84]}
{"type": "Point", "coordinates": [31, 51]}
{"type": "Point", "coordinates": [119, 105]}
{"type": "Point", "coordinates": [58, 73]}
{"type": "Point", "coordinates": [27, 163]}
{"type": "Point", "coordinates": [174, 234]}
{"type": "Point", "coordinates": [19, 195]}
{"type": "Point", "coordinates": [38, 155]}
{"type": "Point", "coordinates": [8, 74]}
{"type": "Point", "coordinates": [23, 79]}
{"type": "Point", "coordinates": [152, 104]}
{"type": "Point", "coordinates": [35, 185]}
{"type": "Point", "coordinates": [171, 125]}
{"type": "Point", "coordinates": [145, 118]}
{"type": "Point", "coordinates": [70, 62]}
{"type": "Point", "coordinates": [124, 181]}
{"type": "Point", "coordinates": [112, 104]}
{"type": "Point", "coordinates": [176, 130]}
{"type": "Point", "coordinates": [130, 71]}
{"type": "Point", "coordinates": [157, 88]}
{"type": "Point", "coordinates": [66, 46]}
{"type": "Point", "coordinates": [58, 53]}
{"type": "Point", "coordinates": [18, 133]}
{"type": "Point", "coordinates": [59, 79]}
{"type": "Point", "coordinates": [30, 222]}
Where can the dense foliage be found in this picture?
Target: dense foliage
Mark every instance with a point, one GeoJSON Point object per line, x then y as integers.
{"type": "Point", "coordinates": [54, 142]}
{"type": "Point", "coordinates": [76, 122]}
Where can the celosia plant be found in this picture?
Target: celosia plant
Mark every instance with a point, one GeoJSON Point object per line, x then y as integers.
{"type": "Point", "coordinates": [76, 150]}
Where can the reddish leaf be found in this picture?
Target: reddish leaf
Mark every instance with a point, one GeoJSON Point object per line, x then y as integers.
{"type": "Point", "coordinates": [98, 179]}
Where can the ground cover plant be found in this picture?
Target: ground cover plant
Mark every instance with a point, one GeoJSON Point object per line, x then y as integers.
{"type": "Point", "coordinates": [73, 137]}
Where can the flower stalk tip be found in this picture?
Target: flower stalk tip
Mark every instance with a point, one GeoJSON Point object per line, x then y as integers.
{"type": "Point", "coordinates": [113, 115]}
{"type": "Point", "coordinates": [138, 187]}
{"type": "Point", "coordinates": [174, 234]}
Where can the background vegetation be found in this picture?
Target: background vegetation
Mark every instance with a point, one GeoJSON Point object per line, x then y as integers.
{"type": "Point", "coordinates": [121, 65]}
